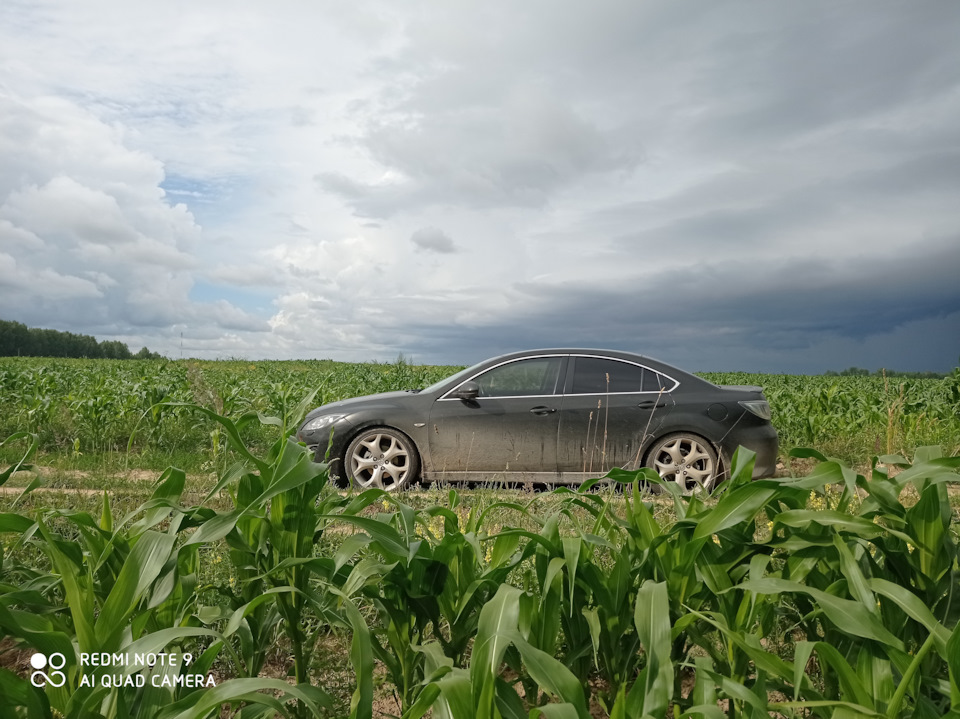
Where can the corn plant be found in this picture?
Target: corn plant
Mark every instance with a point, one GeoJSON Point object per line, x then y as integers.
{"type": "Point", "coordinates": [132, 589]}
{"type": "Point", "coordinates": [874, 590]}
{"type": "Point", "coordinates": [402, 582]}
{"type": "Point", "coordinates": [280, 511]}
{"type": "Point", "coordinates": [474, 574]}
{"type": "Point", "coordinates": [480, 692]}
{"type": "Point", "coordinates": [119, 591]}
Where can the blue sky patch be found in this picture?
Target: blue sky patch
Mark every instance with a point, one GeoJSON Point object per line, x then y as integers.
{"type": "Point", "coordinates": [256, 302]}
{"type": "Point", "coordinates": [210, 201]}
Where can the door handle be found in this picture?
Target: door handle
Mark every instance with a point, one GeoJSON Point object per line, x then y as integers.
{"type": "Point", "coordinates": [651, 404]}
{"type": "Point", "coordinates": [543, 410]}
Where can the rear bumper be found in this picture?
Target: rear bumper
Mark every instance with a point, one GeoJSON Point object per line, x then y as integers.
{"type": "Point", "coordinates": [762, 440]}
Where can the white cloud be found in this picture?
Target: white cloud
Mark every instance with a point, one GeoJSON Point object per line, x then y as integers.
{"type": "Point", "coordinates": [18, 283]}
{"type": "Point", "coordinates": [90, 241]}
{"type": "Point", "coordinates": [13, 236]}
{"type": "Point", "coordinates": [247, 275]}
{"type": "Point", "coordinates": [214, 169]}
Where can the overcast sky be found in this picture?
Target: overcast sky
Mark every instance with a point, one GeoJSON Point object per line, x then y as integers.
{"type": "Point", "coordinates": [756, 186]}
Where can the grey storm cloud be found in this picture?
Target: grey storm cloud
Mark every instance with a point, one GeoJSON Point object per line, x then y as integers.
{"type": "Point", "coordinates": [517, 151]}
{"type": "Point", "coordinates": [784, 313]}
{"type": "Point", "coordinates": [431, 239]}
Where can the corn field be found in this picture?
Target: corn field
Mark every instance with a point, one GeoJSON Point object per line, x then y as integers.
{"type": "Point", "coordinates": [97, 406]}
{"type": "Point", "coordinates": [94, 406]}
{"type": "Point", "coordinates": [828, 595]}
{"type": "Point", "coordinates": [860, 416]}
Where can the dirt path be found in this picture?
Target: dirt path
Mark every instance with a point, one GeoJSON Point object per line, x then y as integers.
{"type": "Point", "coordinates": [138, 479]}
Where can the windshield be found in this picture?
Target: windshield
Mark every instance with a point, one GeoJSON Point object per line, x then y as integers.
{"type": "Point", "coordinates": [458, 376]}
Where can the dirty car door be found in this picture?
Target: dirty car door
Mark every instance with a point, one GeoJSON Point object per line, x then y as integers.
{"type": "Point", "coordinates": [511, 425]}
{"type": "Point", "coordinates": [609, 407]}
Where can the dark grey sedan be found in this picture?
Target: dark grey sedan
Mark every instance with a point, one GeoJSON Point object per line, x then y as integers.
{"type": "Point", "coordinates": [546, 416]}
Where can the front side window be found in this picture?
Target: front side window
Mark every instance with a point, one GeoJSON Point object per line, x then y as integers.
{"type": "Point", "coordinates": [534, 376]}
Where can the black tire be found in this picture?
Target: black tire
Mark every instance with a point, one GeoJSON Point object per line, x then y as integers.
{"type": "Point", "coordinates": [383, 458]}
{"type": "Point", "coordinates": [687, 460]}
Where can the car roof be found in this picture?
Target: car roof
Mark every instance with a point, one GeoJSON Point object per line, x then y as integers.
{"type": "Point", "coordinates": [652, 362]}
{"type": "Point", "coordinates": [578, 351]}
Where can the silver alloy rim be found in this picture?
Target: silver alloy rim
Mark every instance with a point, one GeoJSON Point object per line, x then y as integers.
{"type": "Point", "coordinates": [686, 463]}
{"type": "Point", "coordinates": [381, 461]}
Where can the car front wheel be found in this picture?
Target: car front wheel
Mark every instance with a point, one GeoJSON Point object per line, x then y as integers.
{"type": "Point", "coordinates": [383, 458]}
{"type": "Point", "coordinates": [687, 460]}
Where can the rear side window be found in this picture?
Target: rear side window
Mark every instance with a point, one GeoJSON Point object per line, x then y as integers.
{"type": "Point", "coordinates": [594, 375]}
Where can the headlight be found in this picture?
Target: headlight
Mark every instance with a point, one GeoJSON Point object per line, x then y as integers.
{"type": "Point", "coordinates": [758, 407]}
{"type": "Point", "coordinates": [324, 421]}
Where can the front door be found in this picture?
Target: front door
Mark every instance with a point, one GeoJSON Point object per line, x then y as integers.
{"type": "Point", "coordinates": [510, 428]}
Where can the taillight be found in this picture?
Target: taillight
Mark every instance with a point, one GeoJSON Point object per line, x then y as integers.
{"type": "Point", "coordinates": [759, 407]}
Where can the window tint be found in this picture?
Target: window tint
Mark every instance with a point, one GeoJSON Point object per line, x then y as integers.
{"type": "Point", "coordinates": [533, 376]}
{"type": "Point", "coordinates": [593, 375]}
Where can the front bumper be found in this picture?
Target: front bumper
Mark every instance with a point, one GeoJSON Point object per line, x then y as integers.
{"type": "Point", "coordinates": [329, 445]}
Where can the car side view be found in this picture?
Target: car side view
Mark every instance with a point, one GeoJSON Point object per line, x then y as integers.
{"type": "Point", "coordinates": [555, 416]}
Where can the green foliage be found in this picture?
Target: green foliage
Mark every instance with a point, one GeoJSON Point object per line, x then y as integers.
{"type": "Point", "coordinates": [97, 406]}
{"type": "Point", "coordinates": [830, 594]}
{"type": "Point", "coordinates": [18, 340]}
{"type": "Point", "coordinates": [855, 416]}
{"type": "Point", "coordinates": [89, 407]}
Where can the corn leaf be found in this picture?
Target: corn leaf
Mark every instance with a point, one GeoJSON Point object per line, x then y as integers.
{"type": "Point", "coordinates": [553, 677]}
{"type": "Point", "coordinates": [740, 505]}
{"type": "Point", "coordinates": [847, 615]}
{"type": "Point", "coordinates": [652, 620]}
{"type": "Point", "coordinates": [495, 632]}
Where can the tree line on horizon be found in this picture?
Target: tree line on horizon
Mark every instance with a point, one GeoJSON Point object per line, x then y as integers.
{"type": "Point", "coordinates": [861, 372]}
{"type": "Point", "coordinates": [18, 340]}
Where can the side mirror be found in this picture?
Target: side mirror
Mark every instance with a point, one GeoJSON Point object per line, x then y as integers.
{"type": "Point", "coordinates": [468, 390]}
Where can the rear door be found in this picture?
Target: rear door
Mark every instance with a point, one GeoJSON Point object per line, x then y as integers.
{"type": "Point", "coordinates": [609, 407]}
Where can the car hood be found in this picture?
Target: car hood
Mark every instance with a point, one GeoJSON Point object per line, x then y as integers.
{"type": "Point", "coordinates": [355, 403]}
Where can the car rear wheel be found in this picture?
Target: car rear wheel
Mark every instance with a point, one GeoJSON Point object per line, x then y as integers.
{"type": "Point", "coordinates": [382, 458]}
{"type": "Point", "coordinates": [687, 460]}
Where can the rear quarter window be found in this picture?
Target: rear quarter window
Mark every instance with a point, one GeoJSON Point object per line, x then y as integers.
{"type": "Point", "coordinates": [655, 382]}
